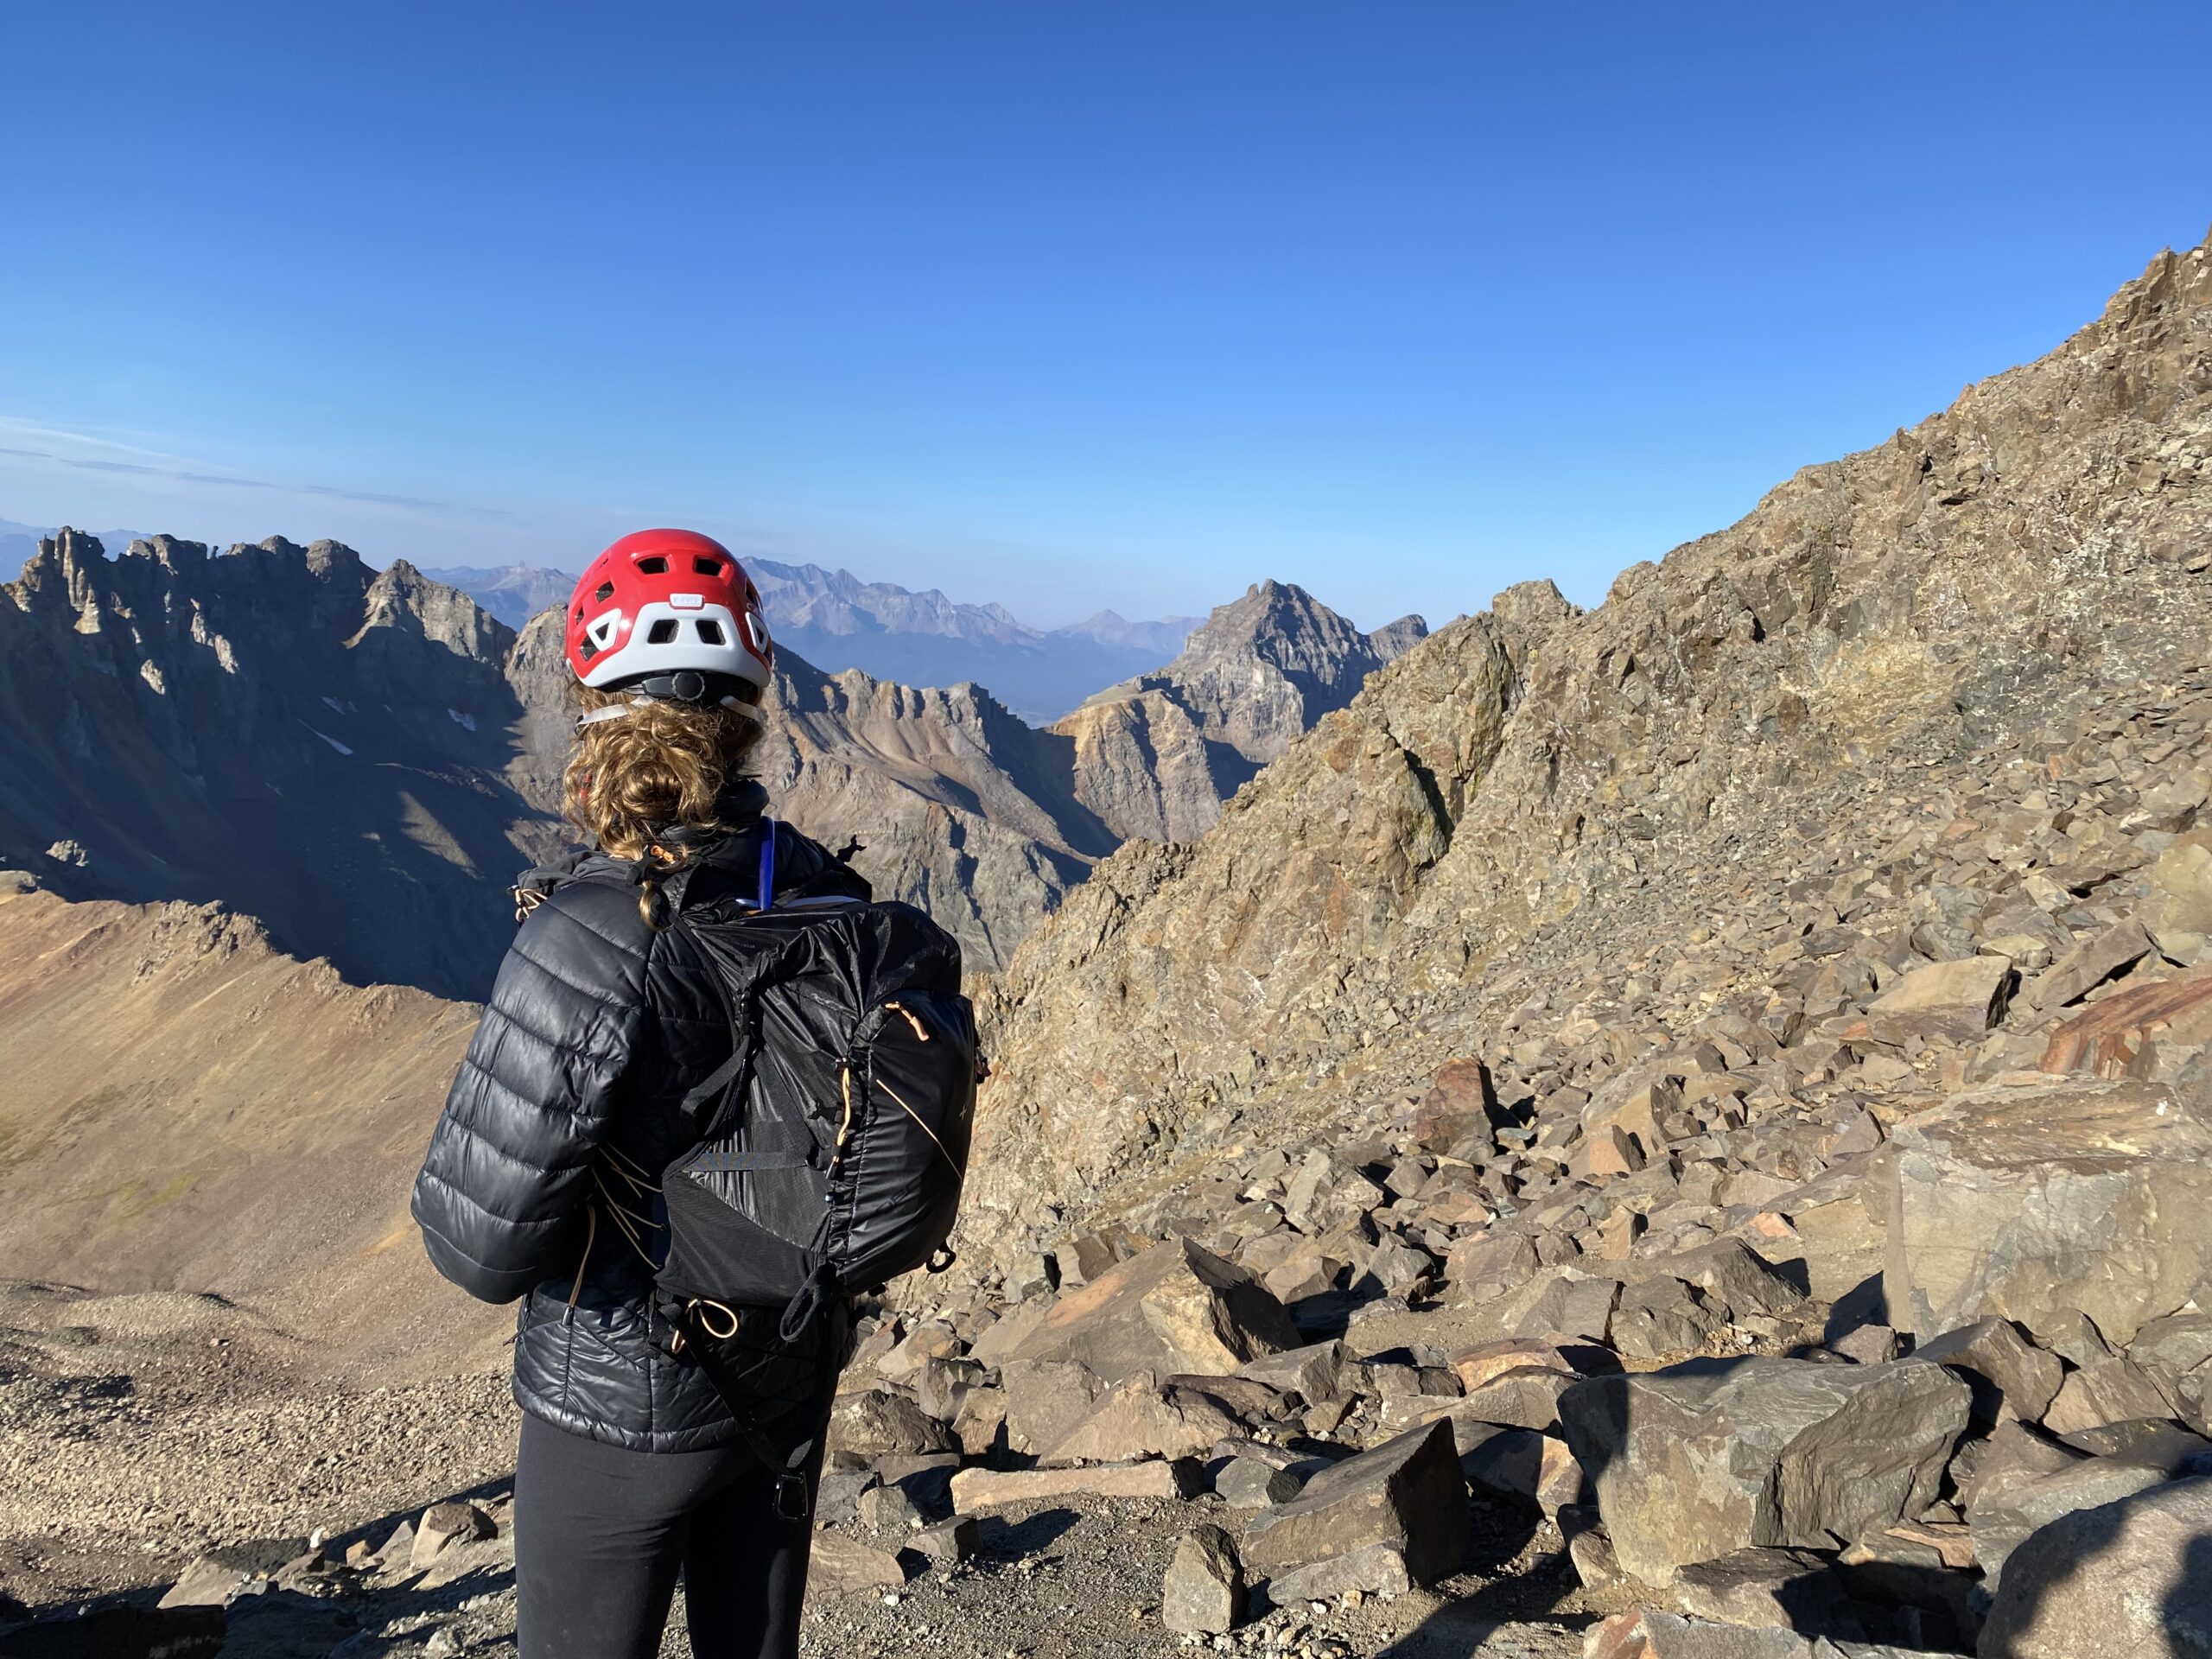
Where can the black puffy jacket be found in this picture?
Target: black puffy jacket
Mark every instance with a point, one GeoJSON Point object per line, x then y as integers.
{"type": "Point", "coordinates": [597, 1028]}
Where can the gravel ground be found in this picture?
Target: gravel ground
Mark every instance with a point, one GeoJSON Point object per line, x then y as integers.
{"type": "Point", "coordinates": [139, 1432]}
{"type": "Point", "coordinates": [1048, 1583]}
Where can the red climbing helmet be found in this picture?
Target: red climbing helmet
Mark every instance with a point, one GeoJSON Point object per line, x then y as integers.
{"type": "Point", "coordinates": [671, 614]}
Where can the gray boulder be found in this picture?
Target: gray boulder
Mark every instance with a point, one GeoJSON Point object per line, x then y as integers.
{"type": "Point", "coordinates": [1204, 1592]}
{"type": "Point", "coordinates": [2111, 1391]}
{"type": "Point", "coordinates": [877, 1425]}
{"type": "Point", "coordinates": [1406, 1493]}
{"type": "Point", "coordinates": [1695, 1462]}
{"type": "Point", "coordinates": [1140, 1417]}
{"type": "Point", "coordinates": [1174, 1308]}
{"type": "Point", "coordinates": [1316, 1373]}
{"type": "Point", "coordinates": [1253, 1484]}
{"type": "Point", "coordinates": [2176, 1354]}
{"type": "Point", "coordinates": [2003, 1519]}
{"type": "Point", "coordinates": [1946, 1002]}
{"type": "Point", "coordinates": [1377, 1570]}
{"type": "Point", "coordinates": [1046, 1398]}
{"type": "Point", "coordinates": [2132, 1577]}
{"type": "Point", "coordinates": [1769, 1589]}
{"type": "Point", "coordinates": [2031, 1203]}
{"type": "Point", "coordinates": [845, 1567]}
{"type": "Point", "coordinates": [2002, 1367]}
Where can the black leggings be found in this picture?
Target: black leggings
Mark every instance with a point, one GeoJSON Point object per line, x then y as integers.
{"type": "Point", "coordinates": [601, 1532]}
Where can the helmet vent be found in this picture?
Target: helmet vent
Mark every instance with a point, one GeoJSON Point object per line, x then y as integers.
{"type": "Point", "coordinates": [602, 594]}
{"type": "Point", "coordinates": [707, 566]}
{"type": "Point", "coordinates": [587, 648]}
{"type": "Point", "coordinates": [710, 630]}
{"type": "Point", "coordinates": [655, 566]}
{"type": "Point", "coordinates": [662, 633]}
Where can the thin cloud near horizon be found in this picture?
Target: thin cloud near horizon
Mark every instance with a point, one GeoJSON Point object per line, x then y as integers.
{"type": "Point", "coordinates": [191, 474]}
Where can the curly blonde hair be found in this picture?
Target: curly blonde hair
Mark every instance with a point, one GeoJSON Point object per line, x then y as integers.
{"type": "Point", "coordinates": [660, 764]}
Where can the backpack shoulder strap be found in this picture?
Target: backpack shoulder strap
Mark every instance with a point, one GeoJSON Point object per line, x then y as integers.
{"type": "Point", "coordinates": [765, 898]}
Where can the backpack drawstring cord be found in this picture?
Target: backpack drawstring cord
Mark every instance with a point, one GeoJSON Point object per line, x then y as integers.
{"type": "Point", "coordinates": [631, 1223]}
{"type": "Point", "coordinates": [924, 1127]}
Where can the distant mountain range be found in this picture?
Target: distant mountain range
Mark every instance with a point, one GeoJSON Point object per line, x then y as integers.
{"type": "Point", "coordinates": [836, 621]}
{"type": "Point", "coordinates": [361, 758]}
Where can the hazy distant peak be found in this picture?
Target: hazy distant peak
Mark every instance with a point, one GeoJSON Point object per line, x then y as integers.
{"type": "Point", "coordinates": [512, 594]}
{"type": "Point", "coordinates": [1393, 639]}
{"type": "Point", "coordinates": [1163, 638]}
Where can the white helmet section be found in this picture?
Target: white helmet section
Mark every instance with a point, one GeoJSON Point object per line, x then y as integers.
{"type": "Point", "coordinates": [666, 636]}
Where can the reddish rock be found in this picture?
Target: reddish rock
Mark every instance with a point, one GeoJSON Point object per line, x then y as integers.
{"type": "Point", "coordinates": [1459, 1101]}
{"type": "Point", "coordinates": [2107, 1037]}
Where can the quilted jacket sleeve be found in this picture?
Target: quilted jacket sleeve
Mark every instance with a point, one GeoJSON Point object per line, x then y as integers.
{"type": "Point", "coordinates": [500, 1198]}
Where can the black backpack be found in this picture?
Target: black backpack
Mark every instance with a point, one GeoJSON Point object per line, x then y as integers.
{"type": "Point", "coordinates": [834, 1145]}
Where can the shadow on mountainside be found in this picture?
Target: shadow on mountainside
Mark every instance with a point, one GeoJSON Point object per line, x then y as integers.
{"type": "Point", "coordinates": [330, 749]}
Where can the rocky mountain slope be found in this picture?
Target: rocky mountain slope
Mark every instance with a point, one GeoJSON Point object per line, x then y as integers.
{"type": "Point", "coordinates": [959, 806]}
{"type": "Point", "coordinates": [1159, 753]}
{"type": "Point", "coordinates": [279, 729]}
{"type": "Point", "coordinates": [363, 759]}
{"type": "Point", "coordinates": [1535, 797]}
{"type": "Point", "coordinates": [190, 1111]}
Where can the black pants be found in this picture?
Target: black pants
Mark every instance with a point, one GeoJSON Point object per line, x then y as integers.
{"type": "Point", "coordinates": [601, 1534]}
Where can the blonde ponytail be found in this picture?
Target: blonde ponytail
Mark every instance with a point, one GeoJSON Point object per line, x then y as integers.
{"type": "Point", "coordinates": [659, 765]}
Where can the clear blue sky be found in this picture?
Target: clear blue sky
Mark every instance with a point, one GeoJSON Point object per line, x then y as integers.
{"type": "Point", "coordinates": [1065, 305]}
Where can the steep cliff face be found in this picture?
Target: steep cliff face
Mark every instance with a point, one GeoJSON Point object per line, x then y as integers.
{"type": "Point", "coordinates": [1157, 753]}
{"type": "Point", "coordinates": [959, 807]}
{"type": "Point", "coordinates": [1538, 786]}
{"type": "Point", "coordinates": [1142, 765]}
{"type": "Point", "coordinates": [277, 729]}
{"type": "Point", "coordinates": [1182, 976]}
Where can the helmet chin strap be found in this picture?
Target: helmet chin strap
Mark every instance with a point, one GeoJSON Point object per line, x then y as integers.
{"type": "Point", "coordinates": [616, 710]}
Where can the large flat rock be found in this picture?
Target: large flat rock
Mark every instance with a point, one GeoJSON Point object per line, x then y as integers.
{"type": "Point", "coordinates": [991, 1489]}
{"type": "Point", "coordinates": [2027, 1202]}
{"type": "Point", "coordinates": [1945, 1002]}
{"type": "Point", "coordinates": [1695, 1462]}
{"type": "Point", "coordinates": [1174, 1308]}
{"type": "Point", "coordinates": [1139, 1417]}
